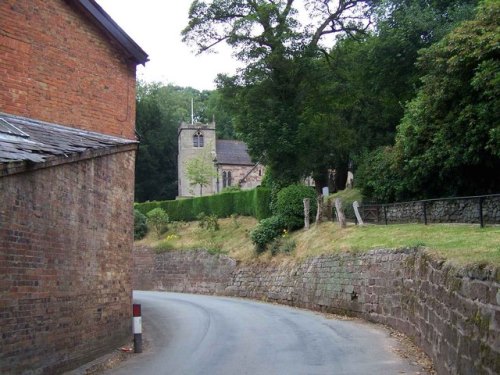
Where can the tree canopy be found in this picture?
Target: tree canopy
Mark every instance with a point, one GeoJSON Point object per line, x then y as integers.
{"type": "Point", "coordinates": [323, 91]}
{"type": "Point", "coordinates": [324, 84]}
{"type": "Point", "coordinates": [277, 46]}
{"type": "Point", "coordinates": [448, 141]}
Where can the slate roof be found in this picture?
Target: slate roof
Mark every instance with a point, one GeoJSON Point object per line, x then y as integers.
{"type": "Point", "coordinates": [232, 152]}
{"type": "Point", "coordinates": [102, 20]}
{"type": "Point", "coordinates": [37, 141]}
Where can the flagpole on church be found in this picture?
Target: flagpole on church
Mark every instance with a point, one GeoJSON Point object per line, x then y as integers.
{"type": "Point", "coordinates": [192, 112]}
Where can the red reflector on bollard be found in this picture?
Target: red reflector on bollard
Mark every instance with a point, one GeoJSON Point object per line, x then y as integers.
{"type": "Point", "coordinates": [136, 308]}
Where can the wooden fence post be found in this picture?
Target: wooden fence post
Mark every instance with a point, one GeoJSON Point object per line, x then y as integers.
{"type": "Point", "coordinates": [340, 213]}
{"type": "Point", "coordinates": [355, 205]}
{"type": "Point", "coordinates": [481, 221]}
{"type": "Point", "coordinates": [307, 208]}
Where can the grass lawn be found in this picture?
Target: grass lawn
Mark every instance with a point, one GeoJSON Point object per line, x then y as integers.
{"type": "Point", "coordinates": [459, 243]}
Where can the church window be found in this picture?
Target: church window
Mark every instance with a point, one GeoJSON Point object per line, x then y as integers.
{"type": "Point", "coordinates": [198, 139]}
{"type": "Point", "coordinates": [224, 179]}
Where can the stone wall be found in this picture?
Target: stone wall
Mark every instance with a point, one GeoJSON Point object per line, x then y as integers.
{"type": "Point", "coordinates": [182, 271]}
{"type": "Point", "coordinates": [453, 314]}
{"type": "Point", "coordinates": [57, 66]}
{"type": "Point", "coordinates": [66, 237]}
{"type": "Point", "coordinates": [460, 210]}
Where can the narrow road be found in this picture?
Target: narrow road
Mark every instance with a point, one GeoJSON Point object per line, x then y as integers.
{"type": "Point", "coordinates": [192, 334]}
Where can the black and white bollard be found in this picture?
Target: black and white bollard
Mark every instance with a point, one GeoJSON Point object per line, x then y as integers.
{"type": "Point", "coordinates": [137, 327]}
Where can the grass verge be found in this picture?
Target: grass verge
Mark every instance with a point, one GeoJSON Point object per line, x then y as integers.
{"type": "Point", "coordinates": [459, 243]}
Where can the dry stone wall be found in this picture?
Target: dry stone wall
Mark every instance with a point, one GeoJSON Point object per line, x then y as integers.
{"type": "Point", "coordinates": [460, 210]}
{"type": "Point", "coordinates": [453, 314]}
{"type": "Point", "coordinates": [182, 271]}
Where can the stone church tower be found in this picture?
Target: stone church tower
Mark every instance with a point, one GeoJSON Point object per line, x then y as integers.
{"type": "Point", "coordinates": [195, 141]}
{"type": "Point", "coordinates": [228, 161]}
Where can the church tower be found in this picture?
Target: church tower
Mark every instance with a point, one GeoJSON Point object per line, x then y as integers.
{"type": "Point", "coordinates": [195, 140]}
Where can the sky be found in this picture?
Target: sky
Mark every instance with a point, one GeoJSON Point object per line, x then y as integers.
{"type": "Point", "coordinates": [156, 26]}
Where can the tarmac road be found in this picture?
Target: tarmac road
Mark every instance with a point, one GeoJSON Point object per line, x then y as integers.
{"type": "Point", "coordinates": [193, 334]}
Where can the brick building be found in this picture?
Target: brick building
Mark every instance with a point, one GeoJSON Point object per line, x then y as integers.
{"type": "Point", "coordinates": [229, 160]}
{"type": "Point", "coordinates": [67, 156]}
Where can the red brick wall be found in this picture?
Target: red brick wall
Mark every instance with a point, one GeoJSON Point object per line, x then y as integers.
{"type": "Point", "coordinates": [65, 254]}
{"type": "Point", "coordinates": [56, 66]}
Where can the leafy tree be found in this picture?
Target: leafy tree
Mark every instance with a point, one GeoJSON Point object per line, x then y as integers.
{"type": "Point", "coordinates": [200, 171]}
{"type": "Point", "coordinates": [276, 46]}
{"type": "Point", "coordinates": [353, 101]}
{"type": "Point", "coordinates": [158, 219]}
{"type": "Point", "coordinates": [447, 142]}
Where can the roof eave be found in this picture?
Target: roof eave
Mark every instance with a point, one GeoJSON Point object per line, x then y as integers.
{"type": "Point", "coordinates": [103, 20]}
{"type": "Point", "coordinates": [21, 166]}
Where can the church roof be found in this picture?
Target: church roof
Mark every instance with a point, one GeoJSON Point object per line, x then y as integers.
{"type": "Point", "coordinates": [232, 152]}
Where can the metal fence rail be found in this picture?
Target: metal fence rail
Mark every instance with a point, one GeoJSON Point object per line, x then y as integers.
{"type": "Point", "coordinates": [479, 209]}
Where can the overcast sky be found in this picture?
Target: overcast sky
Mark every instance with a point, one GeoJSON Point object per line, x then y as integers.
{"type": "Point", "coordinates": [156, 26]}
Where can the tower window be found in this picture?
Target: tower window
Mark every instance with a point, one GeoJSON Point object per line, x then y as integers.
{"type": "Point", "coordinates": [198, 139]}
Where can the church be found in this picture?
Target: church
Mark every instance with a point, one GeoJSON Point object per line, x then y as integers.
{"type": "Point", "coordinates": [227, 161]}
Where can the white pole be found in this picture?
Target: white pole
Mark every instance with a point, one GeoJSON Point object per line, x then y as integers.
{"type": "Point", "coordinates": [192, 112]}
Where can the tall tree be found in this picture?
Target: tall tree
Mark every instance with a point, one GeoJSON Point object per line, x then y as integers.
{"type": "Point", "coordinates": [269, 37]}
{"type": "Point", "coordinates": [200, 170]}
{"type": "Point", "coordinates": [448, 141]}
{"type": "Point", "coordinates": [353, 102]}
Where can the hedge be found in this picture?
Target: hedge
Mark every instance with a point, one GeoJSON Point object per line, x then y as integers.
{"type": "Point", "coordinates": [255, 202]}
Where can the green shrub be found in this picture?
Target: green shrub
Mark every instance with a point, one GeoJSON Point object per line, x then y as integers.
{"type": "Point", "coordinates": [208, 222]}
{"type": "Point", "coordinates": [290, 205]}
{"type": "Point", "coordinates": [266, 231]}
{"type": "Point", "coordinates": [261, 203]}
{"type": "Point", "coordinates": [140, 225]}
{"type": "Point", "coordinates": [158, 219]}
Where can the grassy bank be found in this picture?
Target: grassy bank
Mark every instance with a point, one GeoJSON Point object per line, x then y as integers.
{"type": "Point", "coordinates": [459, 243]}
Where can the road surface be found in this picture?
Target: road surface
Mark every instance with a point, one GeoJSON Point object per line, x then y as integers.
{"type": "Point", "coordinates": [192, 334]}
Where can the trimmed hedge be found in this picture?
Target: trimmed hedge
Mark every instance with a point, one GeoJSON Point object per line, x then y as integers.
{"type": "Point", "coordinates": [255, 202]}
